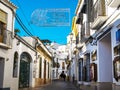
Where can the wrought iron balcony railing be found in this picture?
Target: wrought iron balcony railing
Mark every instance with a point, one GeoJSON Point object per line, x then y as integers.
{"type": "Point", "coordinates": [84, 31]}
{"type": "Point", "coordinates": [6, 39]}
{"type": "Point", "coordinates": [99, 14]}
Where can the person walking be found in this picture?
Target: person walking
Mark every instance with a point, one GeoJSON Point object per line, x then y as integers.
{"type": "Point", "coordinates": [64, 77]}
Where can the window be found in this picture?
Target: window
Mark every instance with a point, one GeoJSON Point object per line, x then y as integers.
{"type": "Point", "coordinates": [118, 36]}
{"type": "Point", "coordinates": [2, 30]}
{"type": "Point", "coordinates": [63, 65]}
{"type": "Point", "coordinates": [15, 65]}
{"type": "Point", "coordinates": [40, 68]}
{"type": "Point", "coordinates": [48, 70]}
{"type": "Point", "coordinates": [3, 21]}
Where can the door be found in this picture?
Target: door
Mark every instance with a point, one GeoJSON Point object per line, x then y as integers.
{"type": "Point", "coordinates": [24, 74]}
{"type": "Point", "coordinates": [45, 72]}
{"type": "Point", "coordinates": [80, 69]}
{"type": "Point", "coordinates": [1, 71]}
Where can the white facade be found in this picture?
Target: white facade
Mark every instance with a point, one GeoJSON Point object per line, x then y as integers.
{"type": "Point", "coordinates": [62, 56]}
{"type": "Point", "coordinates": [42, 62]}
{"type": "Point", "coordinates": [101, 54]}
{"type": "Point", "coordinates": [7, 11]}
{"type": "Point", "coordinates": [72, 58]}
{"type": "Point", "coordinates": [59, 56]}
{"type": "Point", "coordinates": [21, 47]}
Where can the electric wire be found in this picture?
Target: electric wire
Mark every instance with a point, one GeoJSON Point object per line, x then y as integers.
{"type": "Point", "coordinates": [24, 16]}
{"type": "Point", "coordinates": [22, 25]}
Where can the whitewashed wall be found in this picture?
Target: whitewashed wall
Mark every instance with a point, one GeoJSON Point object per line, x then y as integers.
{"type": "Point", "coordinates": [20, 49]}
{"type": "Point", "coordinates": [114, 43]}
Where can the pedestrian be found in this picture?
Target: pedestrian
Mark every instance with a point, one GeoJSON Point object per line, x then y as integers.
{"type": "Point", "coordinates": [73, 78]}
{"type": "Point", "coordinates": [61, 75]}
{"type": "Point", "coordinates": [64, 77]}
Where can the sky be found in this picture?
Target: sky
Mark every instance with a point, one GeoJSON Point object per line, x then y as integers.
{"type": "Point", "coordinates": [57, 34]}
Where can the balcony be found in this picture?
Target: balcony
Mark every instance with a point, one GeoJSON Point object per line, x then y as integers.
{"type": "Point", "coordinates": [99, 14]}
{"type": "Point", "coordinates": [113, 3]}
{"type": "Point", "coordinates": [84, 32]}
{"type": "Point", "coordinates": [6, 39]}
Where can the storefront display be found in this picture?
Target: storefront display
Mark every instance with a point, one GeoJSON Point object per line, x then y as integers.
{"type": "Point", "coordinates": [116, 63]}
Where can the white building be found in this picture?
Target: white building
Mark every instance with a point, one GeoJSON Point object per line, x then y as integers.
{"type": "Point", "coordinates": [72, 63]}
{"type": "Point", "coordinates": [98, 52]}
{"type": "Point", "coordinates": [59, 57]}
{"type": "Point", "coordinates": [7, 13]}
{"type": "Point", "coordinates": [30, 63]}
{"type": "Point", "coordinates": [42, 62]}
{"type": "Point", "coordinates": [23, 64]}
{"type": "Point", "coordinates": [62, 56]}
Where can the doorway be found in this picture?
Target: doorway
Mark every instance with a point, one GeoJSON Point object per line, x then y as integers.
{"type": "Point", "coordinates": [105, 59]}
{"type": "Point", "coordinates": [1, 71]}
{"type": "Point", "coordinates": [24, 73]}
{"type": "Point", "coordinates": [45, 72]}
{"type": "Point", "coordinates": [80, 69]}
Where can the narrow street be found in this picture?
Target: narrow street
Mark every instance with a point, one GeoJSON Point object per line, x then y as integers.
{"type": "Point", "coordinates": [65, 85]}
{"type": "Point", "coordinates": [60, 45]}
{"type": "Point", "coordinates": [56, 85]}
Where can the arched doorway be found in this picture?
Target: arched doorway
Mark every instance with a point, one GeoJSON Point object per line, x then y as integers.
{"type": "Point", "coordinates": [15, 65]}
{"type": "Point", "coordinates": [24, 73]}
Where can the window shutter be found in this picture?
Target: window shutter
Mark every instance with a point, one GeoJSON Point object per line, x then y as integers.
{"type": "Point", "coordinates": [3, 16]}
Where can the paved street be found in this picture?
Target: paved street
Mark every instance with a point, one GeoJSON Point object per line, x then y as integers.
{"type": "Point", "coordinates": [56, 85]}
{"type": "Point", "coordinates": [59, 85]}
{"type": "Point", "coordinates": [64, 85]}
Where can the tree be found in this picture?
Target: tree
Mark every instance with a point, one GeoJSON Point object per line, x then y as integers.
{"type": "Point", "coordinates": [17, 31]}
{"type": "Point", "coordinates": [46, 41]}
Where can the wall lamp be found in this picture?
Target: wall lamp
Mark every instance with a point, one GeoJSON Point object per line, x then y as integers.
{"type": "Point", "coordinates": [92, 41]}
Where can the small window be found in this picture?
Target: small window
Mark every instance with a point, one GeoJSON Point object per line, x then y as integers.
{"type": "Point", "coordinates": [40, 67]}
{"type": "Point", "coordinates": [15, 65]}
{"type": "Point", "coordinates": [48, 70]}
